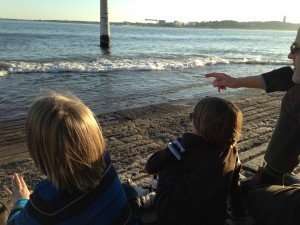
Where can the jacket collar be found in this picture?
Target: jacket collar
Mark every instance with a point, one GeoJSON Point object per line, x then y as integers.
{"type": "Point", "coordinates": [190, 140]}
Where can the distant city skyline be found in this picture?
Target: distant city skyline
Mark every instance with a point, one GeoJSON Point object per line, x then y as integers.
{"type": "Point", "coordinates": [139, 10]}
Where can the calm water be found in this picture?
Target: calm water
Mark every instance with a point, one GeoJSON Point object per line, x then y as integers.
{"type": "Point", "coordinates": [147, 65]}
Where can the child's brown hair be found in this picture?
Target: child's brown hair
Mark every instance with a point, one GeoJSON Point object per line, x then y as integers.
{"type": "Point", "coordinates": [218, 121]}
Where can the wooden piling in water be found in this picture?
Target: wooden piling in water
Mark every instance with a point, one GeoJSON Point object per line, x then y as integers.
{"type": "Point", "coordinates": [104, 26]}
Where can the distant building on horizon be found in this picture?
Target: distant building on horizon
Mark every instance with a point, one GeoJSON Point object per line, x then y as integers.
{"type": "Point", "coordinates": [157, 21]}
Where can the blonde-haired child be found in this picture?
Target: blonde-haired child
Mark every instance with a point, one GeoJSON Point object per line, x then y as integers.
{"type": "Point", "coordinates": [66, 143]}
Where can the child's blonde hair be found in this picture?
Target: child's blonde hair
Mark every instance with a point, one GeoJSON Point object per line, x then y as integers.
{"type": "Point", "coordinates": [218, 121]}
{"type": "Point", "coordinates": [65, 141]}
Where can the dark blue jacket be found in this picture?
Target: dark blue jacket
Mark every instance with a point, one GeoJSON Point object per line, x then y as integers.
{"type": "Point", "coordinates": [106, 205]}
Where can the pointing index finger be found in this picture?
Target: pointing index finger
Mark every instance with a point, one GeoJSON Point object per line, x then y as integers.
{"type": "Point", "coordinates": [215, 75]}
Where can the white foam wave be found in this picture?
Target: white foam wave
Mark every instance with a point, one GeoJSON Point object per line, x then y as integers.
{"type": "Point", "coordinates": [142, 64]}
{"type": "Point", "coordinates": [3, 73]}
{"type": "Point", "coordinates": [259, 61]}
{"type": "Point", "coordinates": [102, 65]}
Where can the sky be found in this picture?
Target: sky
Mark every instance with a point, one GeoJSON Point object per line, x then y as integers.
{"type": "Point", "coordinates": [139, 10]}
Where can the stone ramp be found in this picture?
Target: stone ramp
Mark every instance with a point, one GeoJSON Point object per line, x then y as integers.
{"type": "Point", "coordinates": [132, 135]}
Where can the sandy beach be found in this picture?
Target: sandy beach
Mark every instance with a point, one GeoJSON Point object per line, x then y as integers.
{"type": "Point", "coordinates": [132, 135]}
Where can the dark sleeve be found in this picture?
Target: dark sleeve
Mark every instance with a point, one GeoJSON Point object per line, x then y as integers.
{"type": "Point", "coordinates": [158, 160]}
{"type": "Point", "coordinates": [278, 80]}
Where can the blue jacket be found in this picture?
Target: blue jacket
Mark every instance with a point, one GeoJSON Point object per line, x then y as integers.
{"type": "Point", "coordinates": [106, 205]}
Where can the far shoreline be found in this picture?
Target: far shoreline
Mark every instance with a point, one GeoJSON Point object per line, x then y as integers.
{"type": "Point", "coordinates": [223, 24]}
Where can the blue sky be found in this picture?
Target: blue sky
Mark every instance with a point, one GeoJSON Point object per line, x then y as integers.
{"type": "Point", "coordinates": [138, 10]}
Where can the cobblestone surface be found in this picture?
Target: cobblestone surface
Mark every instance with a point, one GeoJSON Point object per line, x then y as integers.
{"type": "Point", "coordinates": [132, 135]}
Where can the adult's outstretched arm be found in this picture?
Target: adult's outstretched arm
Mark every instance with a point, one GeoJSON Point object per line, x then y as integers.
{"type": "Point", "coordinates": [223, 81]}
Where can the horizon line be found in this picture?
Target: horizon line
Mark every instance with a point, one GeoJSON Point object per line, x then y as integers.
{"type": "Point", "coordinates": [124, 21]}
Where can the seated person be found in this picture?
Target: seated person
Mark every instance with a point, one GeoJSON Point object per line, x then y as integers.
{"type": "Point", "coordinates": [198, 171]}
{"type": "Point", "coordinates": [81, 186]}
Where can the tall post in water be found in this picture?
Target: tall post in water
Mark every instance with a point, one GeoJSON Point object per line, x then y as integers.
{"type": "Point", "coordinates": [104, 27]}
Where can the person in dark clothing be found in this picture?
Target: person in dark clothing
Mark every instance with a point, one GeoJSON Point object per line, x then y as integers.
{"type": "Point", "coordinates": [82, 187]}
{"type": "Point", "coordinates": [283, 151]}
{"type": "Point", "coordinates": [198, 171]}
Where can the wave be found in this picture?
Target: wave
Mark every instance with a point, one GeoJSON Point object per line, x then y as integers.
{"type": "Point", "coordinates": [3, 69]}
{"type": "Point", "coordinates": [126, 64]}
{"type": "Point", "coordinates": [259, 62]}
{"type": "Point", "coordinates": [3, 73]}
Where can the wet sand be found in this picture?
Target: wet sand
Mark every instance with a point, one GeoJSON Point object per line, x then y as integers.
{"type": "Point", "coordinates": [132, 135]}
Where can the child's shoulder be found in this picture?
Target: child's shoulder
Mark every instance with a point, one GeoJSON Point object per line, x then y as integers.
{"type": "Point", "coordinates": [176, 148]}
{"type": "Point", "coordinates": [186, 143]}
